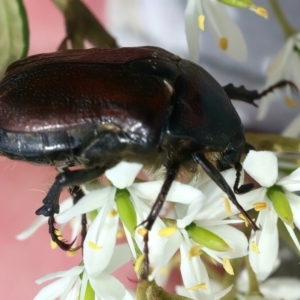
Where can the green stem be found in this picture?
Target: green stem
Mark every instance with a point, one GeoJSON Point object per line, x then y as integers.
{"type": "Point", "coordinates": [285, 25]}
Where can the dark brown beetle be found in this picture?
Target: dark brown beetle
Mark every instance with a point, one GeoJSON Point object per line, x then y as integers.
{"type": "Point", "coordinates": [98, 107]}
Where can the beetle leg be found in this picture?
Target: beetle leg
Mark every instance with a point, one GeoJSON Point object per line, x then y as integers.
{"type": "Point", "coordinates": [51, 206]}
{"type": "Point", "coordinates": [216, 176]}
{"type": "Point", "coordinates": [242, 94]}
{"type": "Point", "coordinates": [172, 172]}
{"type": "Point", "coordinates": [66, 179]}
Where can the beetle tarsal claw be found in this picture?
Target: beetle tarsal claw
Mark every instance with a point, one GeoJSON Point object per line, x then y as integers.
{"type": "Point", "coordinates": [56, 238]}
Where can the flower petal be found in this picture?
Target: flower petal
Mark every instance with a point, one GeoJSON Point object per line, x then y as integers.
{"type": "Point", "coordinates": [55, 289]}
{"type": "Point", "coordinates": [123, 174]}
{"type": "Point", "coordinates": [291, 182]}
{"type": "Point", "coordinates": [191, 28]}
{"type": "Point", "coordinates": [223, 26]}
{"type": "Point", "coordinates": [121, 255]}
{"type": "Point", "coordinates": [194, 272]}
{"type": "Point", "coordinates": [107, 287]}
{"type": "Point", "coordinates": [102, 234]}
{"type": "Point", "coordinates": [263, 262]}
{"type": "Point", "coordinates": [71, 272]}
{"type": "Point", "coordinates": [179, 192]}
{"type": "Point", "coordinates": [287, 288]}
{"type": "Point", "coordinates": [262, 166]}
{"type": "Point", "coordinates": [89, 202]}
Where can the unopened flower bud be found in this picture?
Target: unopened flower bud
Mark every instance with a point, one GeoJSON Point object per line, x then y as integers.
{"type": "Point", "coordinates": [207, 238]}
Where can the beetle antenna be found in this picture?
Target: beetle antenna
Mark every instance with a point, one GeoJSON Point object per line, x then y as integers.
{"type": "Point", "coordinates": [216, 176]}
{"type": "Point", "coordinates": [245, 188]}
{"type": "Point", "coordinates": [172, 172]}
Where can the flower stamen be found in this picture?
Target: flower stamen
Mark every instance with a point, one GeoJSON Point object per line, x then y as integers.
{"type": "Point", "coordinates": [201, 285]}
{"type": "Point", "coordinates": [167, 231]}
{"type": "Point", "coordinates": [261, 11]}
{"type": "Point", "coordinates": [244, 219]}
{"type": "Point", "coordinates": [227, 205]}
{"type": "Point", "coordinates": [290, 102]}
{"type": "Point", "coordinates": [201, 22]}
{"type": "Point", "coordinates": [139, 263]}
{"type": "Point", "coordinates": [258, 206]}
{"type": "Point", "coordinates": [195, 251]}
{"type": "Point", "coordinates": [94, 246]}
{"type": "Point", "coordinates": [112, 213]}
{"type": "Point", "coordinates": [254, 247]}
{"type": "Point", "coordinates": [227, 266]}
{"type": "Point", "coordinates": [142, 231]}
{"type": "Point", "coordinates": [223, 43]}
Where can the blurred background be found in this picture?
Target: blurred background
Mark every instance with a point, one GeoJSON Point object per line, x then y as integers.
{"type": "Point", "coordinates": [131, 23]}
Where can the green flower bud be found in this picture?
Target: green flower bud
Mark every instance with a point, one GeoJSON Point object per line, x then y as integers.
{"type": "Point", "coordinates": [281, 204]}
{"type": "Point", "coordinates": [89, 292]}
{"type": "Point", "coordinates": [207, 238]}
{"type": "Point", "coordinates": [126, 210]}
{"type": "Point", "coordinates": [238, 3]}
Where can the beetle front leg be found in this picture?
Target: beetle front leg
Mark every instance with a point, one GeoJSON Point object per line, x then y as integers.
{"type": "Point", "coordinates": [242, 94]}
{"type": "Point", "coordinates": [66, 179]}
{"type": "Point", "coordinates": [217, 177]}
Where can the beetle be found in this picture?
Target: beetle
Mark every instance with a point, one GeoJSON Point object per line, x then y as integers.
{"type": "Point", "coordinates": [98, 107]}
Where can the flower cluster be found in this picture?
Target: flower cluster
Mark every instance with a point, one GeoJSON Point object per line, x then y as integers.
{"type": "Point", "coordinates": [199, 224]}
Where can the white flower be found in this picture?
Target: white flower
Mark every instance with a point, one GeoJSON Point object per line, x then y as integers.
{"type": "Point", "coordinates": [276, 288]}
{"type": "Point", "coordinates": [68, 282]}
{"type": "Point", "coordinates": [207, 213]}
{"type": "Point", "coordinates": [285, 65]}
{"type": "Point", "coordinates": [73, 283]}
{"type": "Point", "coordinates": [225, 31]}
{"type": "Point", "coordinates": [75, 225]}
{"type": "Point", "coordinates": [262, 166]}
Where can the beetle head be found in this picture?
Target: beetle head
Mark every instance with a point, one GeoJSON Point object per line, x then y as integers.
{"type": "Point", "coordinates": [234, 150]}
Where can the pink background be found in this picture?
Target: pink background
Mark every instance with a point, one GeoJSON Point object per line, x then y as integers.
{"type": "Point", "coordinates": [23, 186]}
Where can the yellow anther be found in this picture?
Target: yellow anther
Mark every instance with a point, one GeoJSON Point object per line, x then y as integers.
{"type": "Point", "coordinates": [138, 263]}
{"type": "Point", "coordinates": [164, 270]}
{"type": "Point", "coordinates": [167, 231]}
{"type": "Point", "coordinates": [94, 246]}
{"type": "Point", "coordinates": [227, 266]}
{"type": "Point", "coordinates": [227, 205]}
{"type": "Point", "coordinates": [244, 219]}
{"type": "Point", "coordinates": [120, 233]}
{"type": "Point", "coordinates": [261, 12]}
{"type": "Point", "coordinates": [53, 245]}
{"type": "Point", "coordinates": [142, 231]}
{"type": "Point", "coordinates": [223, 43]}
{"type": "Point", "coordinates": [112, 213]}
{"type": "Point", "coordinates": [72, 253]}
{"type": "Point", "coordinates": [290, 102]}
{"type": "Point", "coordinates": [195, 251]}
{"type": "Point", "coordinates": [201, 22]}
{"type": "Point", "coordinates": [258, 206]}
{"type": "Point", "coordinates": [201, 285]}
{"type": "Point", "coordinates": [254, 247]}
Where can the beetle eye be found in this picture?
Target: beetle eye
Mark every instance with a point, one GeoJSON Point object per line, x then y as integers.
{"type": "Point", "coordinates": [229, 158]}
